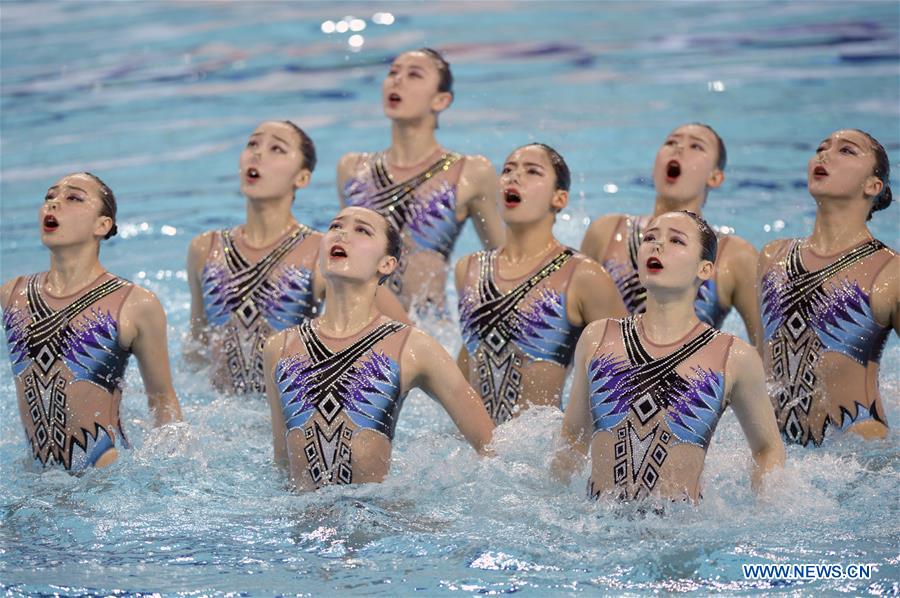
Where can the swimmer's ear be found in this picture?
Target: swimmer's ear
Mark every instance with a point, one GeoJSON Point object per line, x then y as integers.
{"type": "Point", "coordinates": [103, 226]}
{"type": "Point", "coordinates": [441, 101]}
{"type": "Point", "coordinates": [387, 265]}
{"type": "Point", "coordinates": [716, 178]}
{"type": "Point", "coordinates": [706, 270]}
{"type": "Point", "coordinates": [302, 179]}
{"type": "Point", "coordinates": [559, 201]}
{"type": "Point", "coordinates": [873, 186]}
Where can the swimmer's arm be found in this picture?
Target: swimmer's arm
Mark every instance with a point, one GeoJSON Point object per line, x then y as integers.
{"type": "Point", "coordinates": [271, 353]}
{"type": "Point", "coordinates": [754, 411]}
{"type": "Point", "coordinates": [428, 366]}
{"type": "Point", "coordinates": [596, 294]}
{"type": "Point", "coordinates": [483, 206]}
{"type": "Point", "coordinates": [345, 168]}
{"type": "Point", "coordinates": [764, 262]}
{"type": "Point", "coordinates": [6, 291]}
{"type": "Point", "coordinates": [143, 311]}
{"type": "Point", "coordinates": [575, 435]}
{"type": "Point", "coordinates": [459, 276]}
{"type": "Point", "coordinates": [596, 238]}
{"type": "Point", "coordinates": [192, 349]}
{"type": "Point", "coordinates": [741, 264]}
{"type": "Point", "coordinates": [885, 295]}
{"type": "Point", "coordinates": [387, 303]}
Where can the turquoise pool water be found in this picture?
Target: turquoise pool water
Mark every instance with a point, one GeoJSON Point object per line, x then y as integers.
{"type": "Point", "coordinates": [158, 98]}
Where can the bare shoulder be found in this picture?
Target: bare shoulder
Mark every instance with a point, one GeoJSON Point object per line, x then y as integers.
{"type": "Point", "coordinates": [461, 268]}
{"type": "Point", "coordinates": [142, 303]}
{"type": "Point", "coordinates": [199, 247]}
{"type": "Point", "coordinates": [738, 247]}
{"type": "Point", "coordinates": [274, 345]}
{"type": "Point", "coordinates": [771, 249]}
{"type": "Point", "coordinates": [478, 166]}
{"type": "Point", "coordinates": [742, 358]}
{"type": "Point", "coordinates": [604, 224]}
{"type": "Point", "coordinates": [598, 235]}
{"type": "Point", "coordinates": [593, 332]}
{"type": "Point", "coordinates": [6, 291]}
{"type": "Point", "coordinates": [347, 164]}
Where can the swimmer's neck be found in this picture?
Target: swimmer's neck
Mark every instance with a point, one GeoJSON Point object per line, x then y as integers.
{"type": "Point", "coordinates": [267, 220]}
{"type": "Point", "coordinates": [411, 142]}
{"type": "Point", "coordinates": [525, 243]}
{"type": "Point", "coordinates": [839, 225]}
{"type": "Point", "coordinates": [669, 316]}
{"type": "Point", "coordinates": [72, 268]}
{"type": "Point", "coordinates": [664, 205]}
{"type": "Point", "coordinates": [349, 306]}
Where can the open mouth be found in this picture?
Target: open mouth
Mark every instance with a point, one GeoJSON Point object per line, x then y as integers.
{"type": "Point", "coordinates": [654, 265]}
{"type": "Point", "coordinates": [50, 223]}
{"type": "Point", "coordinates": [511, 198]}
{"type": "Point", "coordinates": [820, 171]}
{"type": "Point", "coordinates": [337, 252]}
{"type": "Point", "coordinates": [394, 99]}
{"type": "Point", "coordinates": [673, 170]}
{"type": "Point", "coordinates": [252, 173]}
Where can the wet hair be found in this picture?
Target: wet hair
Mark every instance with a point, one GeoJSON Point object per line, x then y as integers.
{"type": "Point", "coordinates": [394, 246]}
{"type": "Point", "coordinates": [882, 170]}
{"type": "Point", "coordinates": [307, 147]}
{"type": "Point", "coordinates": [560, 168]}
{"type": "Point", "coordinates": [709, 244]}
{"type": "Point", "coordinates": [723, 155]}
{"type": "Point", "coordinates": [445, 82]}
{"type": "Point", "coordinates": [108, 201]}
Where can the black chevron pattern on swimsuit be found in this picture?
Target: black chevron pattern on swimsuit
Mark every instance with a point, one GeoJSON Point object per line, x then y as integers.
{"type": "Point", "coordinates": [496, 310]}
{"type": "Point", "coordinates": [247, 278]}
{"type": "Point", "coordinates": [802, 283]}
{"type": "Point", "coordinates": [655, 372]}
{"type": "Point", "coordinates": [330, 366]}
{"type": "Point", "coordinates": [48, 327]}
{"type": "Point", "coordinates": [392, 200]}
{"type": "Point", "coordinates": [634, 295]}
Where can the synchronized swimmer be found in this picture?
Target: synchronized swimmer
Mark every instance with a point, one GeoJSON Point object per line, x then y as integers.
{"type": "Point", "coordinates": [319, 323]}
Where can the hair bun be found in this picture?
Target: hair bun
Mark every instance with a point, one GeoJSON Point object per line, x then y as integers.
{"type": "Point", "coordinates": [112, 232]}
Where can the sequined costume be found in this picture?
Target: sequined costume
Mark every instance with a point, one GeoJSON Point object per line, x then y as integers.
{"type": "Point", "coordinates": [519, 337]}
{"type": "Point", "coordinates": [620, 260]}
{"type": "Point", "coordinates": [329, 395]}
{"type": "Point", "coordinates": [421, 203]}
{"type": "Point", "coordinates": [822, 343]}
{"type": "Point", "coordinates": [249, 294]}
{"type": "Point", "coordinates": [68, 368]}
{"type": "Point", "coordinates": [654, 409]}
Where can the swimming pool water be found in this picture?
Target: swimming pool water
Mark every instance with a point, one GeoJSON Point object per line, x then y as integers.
{"type": "Point", "coordinates": [158, 98]}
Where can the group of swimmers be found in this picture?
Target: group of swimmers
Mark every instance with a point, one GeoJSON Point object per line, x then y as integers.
{"type": "Point", "coordinates": [319, 321]}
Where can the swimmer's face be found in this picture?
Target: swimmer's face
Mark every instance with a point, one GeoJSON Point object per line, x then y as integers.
{"type": "Point", "coordinates": [528, 187]}
{"type": "Point", "coordinates": [842, 167]}
{"type": "Point", "coordinates": [685, 166]}
{"type": "Point", "coordinates": [70, 214]}
{"type": "Point", "coordinates": [410, 90]}
{"type": "Point", "coordinates": [669, 254]}
{"type": "Point", "coordinates": [271, 164]}
{"type": "Point", "coordinates": [354, 246]}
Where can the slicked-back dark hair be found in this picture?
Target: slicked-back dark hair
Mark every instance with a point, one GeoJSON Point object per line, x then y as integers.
{"type": "Point", "coordinates": [307, 147]}
{"type": "Point", "coordinates": [445, 82]}
{"type": "Point", "coordinates": [560, 168]}
{"type": "Point", "coordinates": [882, 170]}
{"type": "Point", "coordinates": [709, 244]}
{"type": "Point", "coordinates": [722, 160]}
{"type": "Point", "coordinates": [108, 201]}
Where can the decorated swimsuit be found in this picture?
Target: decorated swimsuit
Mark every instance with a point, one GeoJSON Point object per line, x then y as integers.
{"type": "Point", "coordinates": [822, 343]}
{"type": "Point", "coordinates": [620, 260]}
{"type": "Point", "coordinates": [654, 409]}
{"type": "Point", "coordinates": [517, 333]}
{"type": "Point", "coordinates": [420, 202]}
{"type": "Point", "coordinates": [68, 367]}
{"type": "Point", "coordinates": [333, 390]}
{"type": "Point", "coordinates": [249, 294]}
